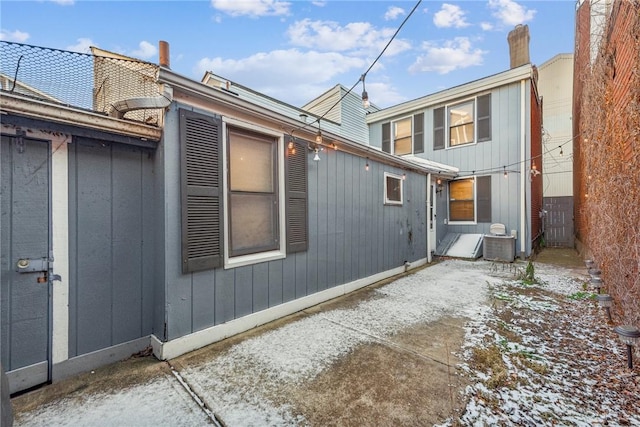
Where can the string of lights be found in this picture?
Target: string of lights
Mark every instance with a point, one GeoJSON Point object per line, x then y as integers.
{"type": "Point", "coordinates": [365, 96]}
{"type": "Point", "coordinates": [504, 168]}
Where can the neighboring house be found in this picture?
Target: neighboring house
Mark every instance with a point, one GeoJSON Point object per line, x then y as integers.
{"type": "Point", "coordinates": [555, 87]}
{"type": "Point", "coordinates": [118, 235]}
{"type": "Point", "coordinates": [606, 132]}
{"type": "Point", "coordinates": [490, 129]}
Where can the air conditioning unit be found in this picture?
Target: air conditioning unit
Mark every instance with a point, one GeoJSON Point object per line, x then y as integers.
{"type": "Point", "coordinates": [497, 246]}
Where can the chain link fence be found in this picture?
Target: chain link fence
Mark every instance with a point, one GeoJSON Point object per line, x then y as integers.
{"type": "Point", "coordinates": [78, 80]}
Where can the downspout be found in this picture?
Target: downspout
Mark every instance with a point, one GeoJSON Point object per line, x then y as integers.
{"type": "Point", "coordinates": [430, 219]}
{"type": "Point", "coordinates": [523, 169]}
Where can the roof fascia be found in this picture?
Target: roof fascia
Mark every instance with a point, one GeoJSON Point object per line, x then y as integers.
{"type": "Point", "coordinates": [210, 93]}
{"type": "Point", "coordinates": [510, 76]}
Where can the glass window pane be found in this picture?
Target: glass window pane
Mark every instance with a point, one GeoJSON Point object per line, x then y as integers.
{"type": "Point", "coordinates": [253, 222]}
{"type": "Point", "coordinates": [461, 134]}
{"type": "Point", "coordinates": [394, 189]}
{"type": "Point", "coordinates": [461, 211]}
{"type": "Point", "coordinates": [251, 162]}
{"type": "Point", "coordinates": [402, 136]}
{"type": "Point", "coordinates": [461, 114]}
{"type": "Point", "coordinates": [402, 147]}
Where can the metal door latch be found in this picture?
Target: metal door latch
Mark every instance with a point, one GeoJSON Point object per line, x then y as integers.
{"type": "Point", "coordinates": [26, 265]}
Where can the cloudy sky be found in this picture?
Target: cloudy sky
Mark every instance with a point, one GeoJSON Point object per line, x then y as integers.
{"type": "Point", "coordinates": [296, 50]}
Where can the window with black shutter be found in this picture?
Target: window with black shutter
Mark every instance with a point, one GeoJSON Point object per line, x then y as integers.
{"type": "Point", "coordinates": [484, 118]}
{"type": "Point", "coordinates": [201, 188]}
{"type": "Point", "coordinates": [386, 137]}
{"type": "Point", "coordinates": [483, 185]}
{"type": "Point", "coordinates": [438, 128]}
{"type": "Point", "coordinates": [296, 195]}
{"type": "Point", "coordinates": [418, 133]}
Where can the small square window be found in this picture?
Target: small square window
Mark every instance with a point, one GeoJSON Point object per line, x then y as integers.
{"type": "Point", "coordinates": [392, 189]}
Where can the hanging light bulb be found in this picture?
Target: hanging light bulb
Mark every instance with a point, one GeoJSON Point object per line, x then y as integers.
{"type": "Point", "coordinates": [319, 134]}
{"type": "Point", "coordinates": [404, 176]}
{"type": "Point", "coordinates": [366, 166]}
{"type": "Point", "coordinates": [505, 171]}
{"type": "Point", "coordinates": [365, 95]}
{"type": "Point", "coordinates": [560, 146]}
{"type": "Point", "coordinates": [316, 157]}
{"type": "Point", "coordinates": [533, 166]}
{"type": "Point", "coordinates": [335, 147]}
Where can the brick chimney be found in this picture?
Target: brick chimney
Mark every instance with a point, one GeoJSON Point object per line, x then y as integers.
{"type": "Point", "coordinates": [518, 39]}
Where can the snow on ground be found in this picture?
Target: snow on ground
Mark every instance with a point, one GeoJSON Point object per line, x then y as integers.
{"type": "Point", "coordinates": [242, 386]}
{"type": "Point", "coordinates": [544, 355]}
{"type": "Point", "coordinates": [160, 402]}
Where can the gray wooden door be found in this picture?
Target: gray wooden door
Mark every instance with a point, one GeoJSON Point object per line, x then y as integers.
{"type": "Point", "coordinates": [558, 231]}
{"type": "Point", "coordinates": [24, 253]}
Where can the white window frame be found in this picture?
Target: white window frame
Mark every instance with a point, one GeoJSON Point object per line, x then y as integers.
{"type": "Point", "coordinates": [388, 201]}
{"type": "Point", "coordinates": [475, 202]}
{"type": "Point", "coordinates": [448, 124]}
{"type": "Point", "coordinates": [392, 136]}
{"type": "Point", "coordinates": [280, 253]}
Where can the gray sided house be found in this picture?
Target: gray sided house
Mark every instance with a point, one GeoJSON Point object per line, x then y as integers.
{"type": "Point", "coordinates": [490, 130]}
{"type": "Point", "coordinates": [127, 224]}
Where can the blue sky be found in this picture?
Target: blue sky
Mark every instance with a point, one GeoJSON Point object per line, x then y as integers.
{"type": "Point", "coordinates": [296, 50]}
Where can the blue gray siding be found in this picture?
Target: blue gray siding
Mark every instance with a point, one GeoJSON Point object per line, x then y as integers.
{"type": "Point", "coordinates": [111, 244]}
{"type": "Point", "coordinates": [352, 235]}
{"type": "Point", "coordinates": [484, 158]}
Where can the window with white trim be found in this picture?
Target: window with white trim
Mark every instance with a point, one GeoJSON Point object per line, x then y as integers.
{"type": "Point", "coordinates": [462, 123]}
{"type": "Point", "coordinates": [470, 200]}
{"type": "Point", "coordinates": [392, 189]}
{"type": "Point", "coordinates": [259, 212]}
{"type": "Point", "coordinates": [404, 136]}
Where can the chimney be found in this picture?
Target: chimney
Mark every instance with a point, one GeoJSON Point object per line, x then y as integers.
{"type": "Point", "coordinates": [163, 56]}
{"type": "Point", "coordinates": [518, 39]}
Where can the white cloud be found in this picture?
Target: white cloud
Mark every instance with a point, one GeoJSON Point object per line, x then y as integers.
{"type": "Point", "coordinates": [355, 37]}
{"type": "Point", "coordinates": [452, 55]}
{"type": "Point", "coordinates": [383, 94]}
{"type": "Point", "coordinates": [252, 8]}
{"type": "Point", "coordinates": [145, 50]}
{"type": "Point", "coordinates": [64, 2]}
{"type": "Point", "coordinates": [393, 12]}
{"type": "Point", "coordinates": [486, 26]}
{"type": "Point", "coordinates": [450, 16]}
{"type": "Point", "coordinates": [290, 75]}
{"type": "Point", "coordinates": [14, 36]}
{"type": "Point", "coordinates": [83, 46]}
{"type": "Point", "coordinates": [319, 3]}
{"type": "Point", "coordinates": [511, 13]}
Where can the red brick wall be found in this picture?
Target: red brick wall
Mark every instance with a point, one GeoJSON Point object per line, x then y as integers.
{"type": "Point", "coordinates": [580, 71]}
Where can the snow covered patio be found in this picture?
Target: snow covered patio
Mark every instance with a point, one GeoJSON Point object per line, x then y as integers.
{"type": "Point", "coordinates": [455, 343]}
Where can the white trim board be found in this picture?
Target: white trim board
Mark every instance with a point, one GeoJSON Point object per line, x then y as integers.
{"type": "Point", "coordinates": [179, 346]}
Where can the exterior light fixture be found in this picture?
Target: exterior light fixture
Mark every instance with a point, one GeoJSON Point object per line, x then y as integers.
{"type": "Point", "coordinates": [439, 186]}
{"type": "Point", "coordinates": [319, 134]}
{"type": "Point", "coordinates": [630, 336]}
{"type": "Point", "coordinates": [316, 157]}
{"type": "Point", "coordinates": [505, 171]}
{"type": "Point", "coordinates": [596, 282]}
{"type": "Point", "coordinates": [404, 176]}
{"type": "Point", "coordinates": [365, 95]}
{"type": "Point", "coordinates": [605, 301]}
{"type": "Point", "coordinates": [303, 117]}
{"type": "Point", "coordinates": [366, 166]}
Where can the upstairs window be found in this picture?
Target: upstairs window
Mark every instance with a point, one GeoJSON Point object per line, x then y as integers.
{"type": "Point", "coordinates": [462, 123]}
{"type": "Point", "coordinates": [404, 136]}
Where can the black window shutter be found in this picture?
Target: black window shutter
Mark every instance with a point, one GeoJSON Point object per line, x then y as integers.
{"type": "Point", "coordinates": [296, 196]}
{"type": "Point", "coordinates": [483, 185]}
{"type": "Point", "coordinates": [386, 137]}
{"type": "Point", "coordinates": [201, 186]}
{"type": "Point", "coordinates": [484, 118]}
{"type": "Point", "coordinates": [438, 128]}
{"type": "Point", "coordinates": [418, 133]}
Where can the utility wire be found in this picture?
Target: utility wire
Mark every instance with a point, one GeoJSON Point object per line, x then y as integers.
{"type": "Point", "coordinates": [362, 77]}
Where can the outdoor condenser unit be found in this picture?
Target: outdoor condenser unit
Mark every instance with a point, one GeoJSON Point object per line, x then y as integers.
{"type": "Point", "coordinates": [497, 246]}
